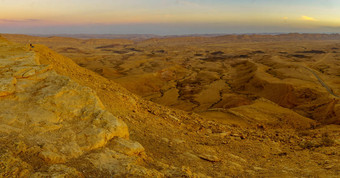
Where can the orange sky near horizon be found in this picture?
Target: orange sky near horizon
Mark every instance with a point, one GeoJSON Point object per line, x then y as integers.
{"type": "Point", "coordinates": [298, 14]}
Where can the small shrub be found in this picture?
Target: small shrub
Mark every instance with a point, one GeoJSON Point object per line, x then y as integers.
{"type": "Point", "coordinates": [308, 144]}
{"type": "Point", "coordinates": [326, 140]}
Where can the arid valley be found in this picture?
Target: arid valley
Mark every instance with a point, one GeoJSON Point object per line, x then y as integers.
{"type": "Point", "coordinates": [186, 106]}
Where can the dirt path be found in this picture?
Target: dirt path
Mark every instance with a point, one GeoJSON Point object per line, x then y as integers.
{"type": "Point", "coordinates": [323, 58]}
{"type": "Point", "coordinates": [322, 82]}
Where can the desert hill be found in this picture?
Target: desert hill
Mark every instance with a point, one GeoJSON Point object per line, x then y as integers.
{"type": "Point", "coordinates": [205, 74]}
{"type": "Point", "coordinates": [235, 124]}
{"type": "Point", "coordinates": [133, 37]}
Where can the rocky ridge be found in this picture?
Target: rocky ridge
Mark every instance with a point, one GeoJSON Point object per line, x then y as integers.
{"type": "Point", "coordinates": [52, 126]}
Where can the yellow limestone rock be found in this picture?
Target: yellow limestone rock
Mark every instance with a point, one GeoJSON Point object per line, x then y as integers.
{"type": "Point", "coordinates": [56, 120]}
{"type": "Point", "coordinates": [57, 171]}
{"type": "Point", "coordinates": [7, 86]}
{"type": "Point", "coordinates": [128, 147]}
{"type": "Point", "coordinates": [120, 165]}
{"type": "Point", "coordinates": [12, 166]}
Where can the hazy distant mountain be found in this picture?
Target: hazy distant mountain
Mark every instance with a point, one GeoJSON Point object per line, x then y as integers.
{"type": "Point", "coordinates": [135, 37]}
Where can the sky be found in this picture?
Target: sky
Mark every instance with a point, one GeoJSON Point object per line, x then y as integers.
{"type": "Point", "coordinates": [169, 17]}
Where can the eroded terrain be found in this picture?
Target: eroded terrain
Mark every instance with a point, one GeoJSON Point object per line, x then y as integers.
{"type": "Point", "coordinates": [209, 75]}
{"type": "Point", "coordinates": [256, 106]}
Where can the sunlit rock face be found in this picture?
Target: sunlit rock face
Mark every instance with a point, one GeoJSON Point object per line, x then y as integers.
{"type": "Point", "coordinates": [48, 120]}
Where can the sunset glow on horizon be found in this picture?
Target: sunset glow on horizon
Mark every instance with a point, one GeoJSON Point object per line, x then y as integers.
{"type": "Point", "coordinates": [169, 16]}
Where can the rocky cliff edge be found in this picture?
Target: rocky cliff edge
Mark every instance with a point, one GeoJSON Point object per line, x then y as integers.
{"type": "Point", "coordinates": [52, 126]}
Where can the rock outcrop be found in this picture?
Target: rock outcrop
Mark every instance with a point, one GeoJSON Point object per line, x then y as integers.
{"type": "Point", "coordinates": [52, 126]}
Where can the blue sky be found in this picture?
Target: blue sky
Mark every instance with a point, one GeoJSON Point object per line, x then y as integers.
{"type": "Point", "coordinates": [168, 17]}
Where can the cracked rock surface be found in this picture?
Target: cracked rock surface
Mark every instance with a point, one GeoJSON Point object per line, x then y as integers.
{"type": "Point", "coordinates": [52, 126]}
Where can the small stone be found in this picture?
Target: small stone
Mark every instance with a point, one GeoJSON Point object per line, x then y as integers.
{"type": "Point", "coordinates": [29, 73]}
{"type": "Point", "coordinates": [210, 158]}
{"type": "Point", "coordinates": [234, 135]}
{"type": "Point", "coordinates": [190, 155]}
{"type": "Point", "coordinates": [178, 141]}
{"type": "Point", "coordinates": [250, 172]}
{"type": "Point", "coordinates": [329, 166]}
{"type": "Point", "coordinates": [337, 141]}
{"type": "Point", "coordinates": [223, 134]}
{"type": "Point", "coordinates": [237, 157]}
{"type": "Point", "coordinates": [165, 140]}
{"type": "Point", "coordinates": [258, 168]}
{"type": "Point", "coordinates": [128, 147]}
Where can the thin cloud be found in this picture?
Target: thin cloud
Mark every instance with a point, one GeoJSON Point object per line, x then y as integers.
{"type": "Point", "coordinates": [188, 3]}
{"type": "Point", "coordinates": [332, 27]}
{"type": "Point", "coordinates": [285, 19]}
{"type": "Point", "coordinates": [306, 18]}
{"type": "Point", "coordinates": [19, 21]}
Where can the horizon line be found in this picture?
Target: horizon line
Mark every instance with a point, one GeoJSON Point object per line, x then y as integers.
{"type": "Point", "coordinates": [184, 34]}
